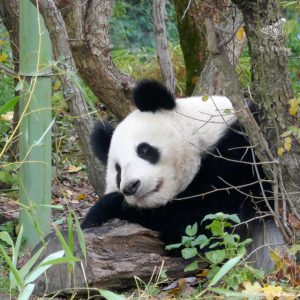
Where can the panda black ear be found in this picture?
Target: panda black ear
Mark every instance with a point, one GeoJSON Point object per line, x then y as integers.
{"type": "Point", "coordinates": [100, 140]}
{"type": "Point", "coordinates": [151, 95]}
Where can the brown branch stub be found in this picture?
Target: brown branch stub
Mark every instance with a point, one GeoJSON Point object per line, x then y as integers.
{"type": "Point", "coordinates": [116, 253]}
{"type": "Point", "coordinates": [163, 55]}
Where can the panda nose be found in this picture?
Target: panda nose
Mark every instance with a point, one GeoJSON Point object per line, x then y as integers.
{"type": "Point", "coordinates": [131, 188]}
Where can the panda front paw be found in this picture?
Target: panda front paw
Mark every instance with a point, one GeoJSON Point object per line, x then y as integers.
{"type": "Point", "coordinates": [108, 207]}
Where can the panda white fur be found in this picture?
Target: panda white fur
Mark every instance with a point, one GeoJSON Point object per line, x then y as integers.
{"type": "Point", "coordinates": [171, 162]}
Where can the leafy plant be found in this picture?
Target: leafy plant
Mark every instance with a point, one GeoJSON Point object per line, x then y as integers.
{"type": "Point", "coordinates": [222, 249]}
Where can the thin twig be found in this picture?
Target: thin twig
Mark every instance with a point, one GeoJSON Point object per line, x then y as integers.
{"type": "Point", "coordinates": [8, 70]}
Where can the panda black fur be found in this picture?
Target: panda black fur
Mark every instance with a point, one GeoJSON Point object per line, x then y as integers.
{"type": "Point", "coordinates": [172, 162]}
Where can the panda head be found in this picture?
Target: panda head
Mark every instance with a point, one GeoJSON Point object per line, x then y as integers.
{"type": "Point", "coordinates": [151, 153]}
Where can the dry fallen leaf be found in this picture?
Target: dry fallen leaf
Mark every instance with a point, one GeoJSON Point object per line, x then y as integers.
{"type": "Point", "coordinates": [73, 169]}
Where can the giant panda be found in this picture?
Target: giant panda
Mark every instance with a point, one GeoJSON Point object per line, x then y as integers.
{"type": "Point", "coordinates": [171, 162]}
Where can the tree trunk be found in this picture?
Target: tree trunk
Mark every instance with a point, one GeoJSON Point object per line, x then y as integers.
{"type": "Point", "coordinates": [9, 12]}
{"type": "Point", "coordinates": [87, 26]}
{"type": "Point", "coordinates": [161, 41]}
{"type": "Point", "coordinates": [271, 91]}
{"type": "Point", "coordinates": [191, 28]}
{"type": "Point", "coordinates": [72, 94]}
{"type": "Point", "coordinates": [211, 81]}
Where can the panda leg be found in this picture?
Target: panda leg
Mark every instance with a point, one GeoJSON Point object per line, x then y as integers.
{"type": "Point", "coordinates": [266, 237]}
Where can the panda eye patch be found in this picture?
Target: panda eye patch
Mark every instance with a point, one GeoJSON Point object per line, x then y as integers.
{"type": "Point", "coordinates": [147, 152]}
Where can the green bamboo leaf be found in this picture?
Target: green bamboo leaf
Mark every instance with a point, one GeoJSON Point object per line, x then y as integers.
{"type": "Point", "coordinates": [108, 295]}
{"type": "Point", "coordinates": [13, 269]}
{"type": "Point", "coordinates": [27, 267]}
{"type": "Point", "coordinates": [26, 292]}
{"type": "Point", "coordinates": [70, 233]}
{"type": "Point", "coordinates": [42, 267]}
{"type": "Point", "coordinates": [80, 237]}
{"type": "Point", "coordinates": [62, 242]}
{"type": "Point", "coordinates": [4, 236]}
{"type": "Point", "coordinates": [61, 260]}
{"type": "Point", "coordinates": [17, 246]}
{"type": "Point", "coordinates": [225, 269]}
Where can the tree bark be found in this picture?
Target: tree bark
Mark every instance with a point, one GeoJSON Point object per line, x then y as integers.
{"type": "Point", "coordinates": [161, 39]}
{"type": "Point", "coordinates": [191, 28]}
{"type": "Point", "coordinates": [87, 27]}
{"type": "Point", "coordinates": [9, 12]}
{"type": "Point", "coordinates": [116, 253]}
{"type": "Point", "coordinates": [72, 94]}
{"type": "Point", "coordinates": [211, 81]}
{"type": "Point", "coordinates": [271, 91]}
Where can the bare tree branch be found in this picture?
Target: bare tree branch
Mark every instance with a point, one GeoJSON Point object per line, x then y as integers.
{"type": "Point", "coordinates": [161, 39]}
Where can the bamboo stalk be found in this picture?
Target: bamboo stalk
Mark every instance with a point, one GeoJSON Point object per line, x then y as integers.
{"type": "Point", "coordinates": [35, 125]}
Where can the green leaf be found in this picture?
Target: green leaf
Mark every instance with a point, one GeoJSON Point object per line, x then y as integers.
{"type": "Point", "coordinates": [29, 264]}
{"type": "Point", "coordinates": [229, 294]}
{"type": "Point", "coordinates": [214, 245]}
{"type": "Point", "coordinates": [9, 105]}
{"type": "Point", "coordinates": [186, 240]}
{"type": "Point", "coordinates": [245, 242]}
{"type": "Point", "coordinates": [17, 246]}
{"type": "Point", "coordinates": [230, 239]}
{"type": "Point", "coordinates": [189, 253]}
{"type": "Point", "coordinates": [173, 246]}
{"type": "Point", "coordinates": [209, 217]}
{"type": "Point", "coordinates": [58, 261]}
{"type": "Point", "coordinates": [62, 242]}
{"type": "Point", "coordinates": [108, 295]}
{"type": "Point", "coordinates": [12, 268]}
{"type": "Point", "coordinates": [234, 218]}
{"type": "Point", "coordinates": [225, 269]}
{"type": "Point", "coordinates": [201, 240]}
{"type": "Point", "coordinates": [70, 233]}
{"type": "Point", "coordinates": [80, 237]}
{"type": "Point", "coordinates": [216, 227]}
{"type": "Point", "coordinates": [26, 292]}
{"type": "Point", "coordinates": [191, 230]}
{"type": "Point", "coordinates": [205, 98]}
{"type": "Point", "coordinates": [42, 267]}
{"type": "Point", "coordinates": [4, 236]}
{"type": "Point", "coordinates": [216, 256]}
{"type": "Point", "coordinates": [192, 267]}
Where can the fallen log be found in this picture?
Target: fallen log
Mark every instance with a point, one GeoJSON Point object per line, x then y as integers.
{"type": "Point", "coordinates": [117, 252]}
